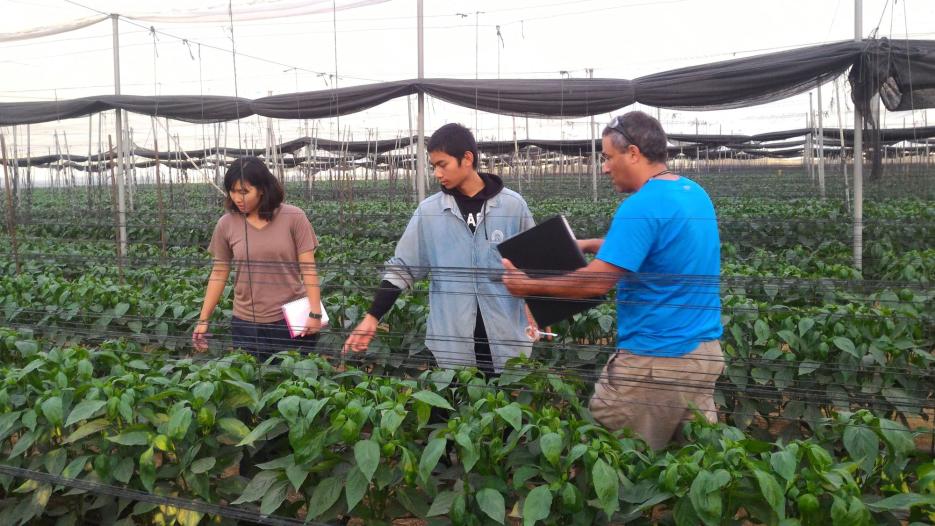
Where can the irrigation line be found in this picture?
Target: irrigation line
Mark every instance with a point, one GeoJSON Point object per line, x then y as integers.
{"type": "Point", "coordinates": [231, 512]}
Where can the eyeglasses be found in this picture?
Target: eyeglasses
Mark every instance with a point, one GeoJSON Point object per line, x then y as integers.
{"type": "Point", "coordinates": [617, 125]}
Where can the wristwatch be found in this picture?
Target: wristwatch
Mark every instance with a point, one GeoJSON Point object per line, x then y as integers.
{"type": "Point", "coordinates": [314, 315]}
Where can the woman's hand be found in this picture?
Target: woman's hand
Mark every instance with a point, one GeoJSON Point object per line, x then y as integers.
{"type": "Point", "coordinates": [312, 326]}
{"type": "Point", "coordinates": [200, 337]}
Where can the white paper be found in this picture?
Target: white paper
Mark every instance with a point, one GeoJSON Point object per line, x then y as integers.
{"type": "Point", "coordinates": [296, 315]}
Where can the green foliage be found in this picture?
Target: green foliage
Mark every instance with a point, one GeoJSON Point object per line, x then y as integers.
{"type": "Point", "coordinates": [542, 456]}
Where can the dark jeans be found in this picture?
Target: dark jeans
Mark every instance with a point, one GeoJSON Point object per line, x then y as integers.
{"type": "Point", "coordinates": [482, 356]}
{"type": "Point", "coordinates": [265, 339]}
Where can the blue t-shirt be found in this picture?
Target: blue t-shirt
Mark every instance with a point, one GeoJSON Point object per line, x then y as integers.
{"type": "Point", "coordinates": [666, 236]}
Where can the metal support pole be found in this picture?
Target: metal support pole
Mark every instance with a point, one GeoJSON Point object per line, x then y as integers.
{"type": "Point", "coordinates": [843, 148]}
{"type": "Point", "coordinates": [821, 146]}
{"type": "Point", "coordinates": [593, 151]}
{"type": "Point", "coordinates": [10, 206]}
{"type": "Point", "coordinates": [119, 178]}
{"type": "Point", "coordinates": [810, 140]}
{"type": "Point", "coordinates": [858, 158]}
{"type": "Point", "coordinates": [410, 148]}
{"type": "Point", "coordinates": [420, 147]}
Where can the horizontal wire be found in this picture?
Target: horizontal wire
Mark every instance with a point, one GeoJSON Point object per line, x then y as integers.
{"type": "Point", "coordinates": [810, 311]}
{"type": "Point", "coordinates": [203, 259]}
{"type": "Point", "coordinates": [228, 511]}
{"type": "Point", "coordinates": [610, 217]}
{"type": "Point", "coordinates": [666, 386]}
{"type": "Point", "coordinates": [113, 261]}
{"type": "Point", "coordinates": [597, 349]}
{"type": "Point", "coordinates": [455, 358]}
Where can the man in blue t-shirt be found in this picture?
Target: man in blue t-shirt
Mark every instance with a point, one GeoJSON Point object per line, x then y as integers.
{"type": "Point", "coordinates": [663, 254]}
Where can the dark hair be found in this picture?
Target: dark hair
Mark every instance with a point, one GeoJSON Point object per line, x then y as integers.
{"type": "Point", "coordinates": [255, 172]}
{"type": "Point", "coordinates": [642, 131]}
{"type": "Point", "coordinates": [455, 140]}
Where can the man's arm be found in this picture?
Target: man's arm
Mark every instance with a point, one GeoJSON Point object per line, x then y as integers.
{"type": "Point", "coordinates": [587, 282]}
{"type": "Point", "coordinates": [590, 246]}
{"type": "Point", "coordinates": [407, 266]}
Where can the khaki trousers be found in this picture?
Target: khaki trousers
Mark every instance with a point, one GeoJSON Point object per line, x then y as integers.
{"type": "Point", "coordinates": [654, 396]}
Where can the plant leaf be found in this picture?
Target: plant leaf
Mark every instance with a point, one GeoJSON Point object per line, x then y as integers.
{"type": "Point", "coordinates": [771, 491]}
{"type": "Point", "coordinates": [606, 486]}
{"type": "Point", "coordinates": [324, 496]}
{"type": "Point", "coordinates": [784, 463]}
{"type": "Point", "coordinates": [124, 470]}
{"type": "Point", "coordinates": [237, 429]}
{"type": "Point", "coordinates": [469, 454]}
{"type": "Point", "coordinates": [430, 456]}
{"type": "Point", "coordinates": [537, 505]}
{"type": "Point", "coordinates": [52, 410]}
{"type": "Point", "coordinates": [260, 430]}
{"type": "Point", "coordinates": [131, 438]}
{"type": "Point", "coordinates": [705, 501]}
{"type": "Point", "coordinates": [846, 345]}
{"type": "Point", "coordinates": [84, 410]}
{"type": "Point", "coordinates": [274, 497]}
{"type": "Point", "coordinates": [551, 446]}
{"type": "Point", "coordinates": [367, 454]}
{"type": "Point", "coordinates": [356, 488]}
{"type": "Point", "coordinates": [88, 428]}
{"type": "Point", "coordinates": [202, 465]}
{"type": "Point", "coordinates": [296, 474]}
{"type": "Point", "coordinates": [442, 503]}
{"type": "Point", "coordinates": [491, 502]}
{"type": "Point", "coordinates": [391, 420]}
{"type": "Point", "coordinates": [257, 487]}
{"type": "Point", "coordinates": [902, 502]}
{"type": "Point", "coordinates": [433, 399]}
{"type": "Point", "coordinates": [513, 415]}
{"type": "Point", "coordinates": [863, 445]}
{"type": "Point", "coordinates": [179, 421]}
{"type": "Point", "coordinates": [25, 441]}
{"type": "Point", "coordinates": [147, 469]}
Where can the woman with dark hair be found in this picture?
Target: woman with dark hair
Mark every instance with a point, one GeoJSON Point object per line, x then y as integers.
{"type": "Point", "coordinates": [272, 246]}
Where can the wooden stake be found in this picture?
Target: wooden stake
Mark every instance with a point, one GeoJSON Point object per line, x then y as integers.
{"type": "Point", "coordinates": [113, 194]}
{"type": "Point", "coordinates": [10, 213]}
{"type": "Point", "coordinates": [162, 216]}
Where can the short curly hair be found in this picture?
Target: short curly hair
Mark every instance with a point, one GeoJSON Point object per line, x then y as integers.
{"type": "Point", "coordinates": [640, 130]}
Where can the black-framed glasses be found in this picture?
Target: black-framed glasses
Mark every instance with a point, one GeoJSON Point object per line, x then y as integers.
{"type": "Point", "coordinates": [616, 124]}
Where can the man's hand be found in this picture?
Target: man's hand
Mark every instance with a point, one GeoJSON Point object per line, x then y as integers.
{"type": "Point", "coordinates": [532, 329]}
{"type": "Point", "coordinates": [514, 279]}
{"type": "Point", "coordinates": [361, 336]}
{"type": "Point", "coordinates": [200, 337]}
{"type": "Point", "coordinates": [312, 326]}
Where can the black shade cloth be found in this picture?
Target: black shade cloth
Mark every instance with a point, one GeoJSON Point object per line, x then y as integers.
{"type": "Point", "coordinates": [770, 144]}
{"type": "Point", "coordinates": [904, 69]}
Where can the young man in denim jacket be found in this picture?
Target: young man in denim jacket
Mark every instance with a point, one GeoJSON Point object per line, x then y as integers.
{"type": "Point", "coordinates": [452, 238]}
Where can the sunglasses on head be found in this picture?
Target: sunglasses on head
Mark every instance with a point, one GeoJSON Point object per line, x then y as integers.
{"type": "Point", "coordinates": [616, 124]}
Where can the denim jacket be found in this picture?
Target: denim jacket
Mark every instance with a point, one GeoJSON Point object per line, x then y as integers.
{"type": "Point", "coordinates": [438, 242]}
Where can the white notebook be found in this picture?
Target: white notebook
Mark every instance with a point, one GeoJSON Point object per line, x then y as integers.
{"type": "Point", "coordinates": [296, 314]}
